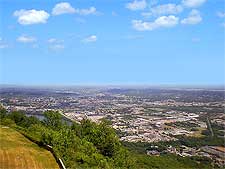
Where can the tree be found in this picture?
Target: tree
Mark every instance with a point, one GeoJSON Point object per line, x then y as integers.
{"type": "Point", "coordinates": [53, 119]}
{"type": "Point", "coordinates": [3, 112]}
{"type": "Point", "coordinates": [19, 117]}
{"type": "Point", "coordinates": [101, 135]}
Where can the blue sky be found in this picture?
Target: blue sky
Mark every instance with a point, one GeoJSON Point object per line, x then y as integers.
{"type": "Point", "coordinates": [112, 42]}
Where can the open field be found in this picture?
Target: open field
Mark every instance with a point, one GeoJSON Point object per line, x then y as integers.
{"type": "Point", "coordinates": [16, 151]}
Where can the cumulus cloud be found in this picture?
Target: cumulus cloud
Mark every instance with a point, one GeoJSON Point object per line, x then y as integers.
{"type": "Point", "coordinates": [164, 9]}
{"type": "Point", "coordinates": [163, 21]}
{"type": "Point", "coordinates": [62, 8]}
{"type": "Point", "coordinates": [66, 8]}
{"type": "Point", "coordinates": [28, 17]}
{"type": "Point", "coordinates": [89, 11]}
{"type": "Point", "coordinates": [136, 5]}
{"type": "Point", "coordinates": [26, 39]}
{"type": "Point", "coordinates": [221, 14]}
{"type": "Point", "coordinates": [193, 3]}
{"type": "Point", "coordinates": [92, 38]}
{"type": "Point", "coordinates": [193, 18]}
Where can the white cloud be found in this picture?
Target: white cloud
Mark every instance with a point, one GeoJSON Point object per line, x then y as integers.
{"type": "Point", "coordinates": [163, 21]}
{"type": "Point", "coordinates": [62, 8]}
{"type": "Point", "coordinates": [193, 18]}
{"type": "Point", "coordinates": [164, 9]}
{"type": "Point", "coordinates": [142, 26]}
{"type": "Point", "coordinates": [221, 14]}
{"type": "Point", "coordinates": [26, 39]}
{"type": "Point", "coordinates": [52, 40]}
{"type": "Point", "coordinates": [66, 8]}
{"type": "Point", "coordinates": [92, 38]}
{"type": "Point", "coordinates": [167, 21]}
{"type": "Point", "coordinates": [28, 17]}
{"type": "Point", "coordinates": [89, 11]}
{"type": "Point", "coordinates": [136, 5]}
{"type": "Point", "coordinates": [193, 3]}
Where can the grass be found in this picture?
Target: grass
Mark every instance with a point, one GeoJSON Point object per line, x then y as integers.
{"type": "Point", "coordinates": [16, 151]}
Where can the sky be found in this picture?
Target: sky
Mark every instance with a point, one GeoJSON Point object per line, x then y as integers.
{"type": "Point", "coordinates": [53, 42]}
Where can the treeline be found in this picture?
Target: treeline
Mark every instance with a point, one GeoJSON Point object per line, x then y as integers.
{"type": "Point", "coordinates": [88, 145]}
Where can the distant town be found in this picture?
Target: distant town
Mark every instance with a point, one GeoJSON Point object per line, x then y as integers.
{"type": "Point", "coordinates": [139, 115]}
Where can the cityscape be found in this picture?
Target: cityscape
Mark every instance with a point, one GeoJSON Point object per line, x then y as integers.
{"type": "Point", "coordinates": [112, 84]}
{"type": "Point", "coordinates": [148, 115]}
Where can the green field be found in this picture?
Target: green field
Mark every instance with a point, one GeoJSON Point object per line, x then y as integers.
{"type": "Point", "coordinates": [16, 151]}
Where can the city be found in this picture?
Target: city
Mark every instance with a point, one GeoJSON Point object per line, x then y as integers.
{"type": "Point", "coordinates": [147, 115]}
{"type": "Point", "coordinates": [106, 84]}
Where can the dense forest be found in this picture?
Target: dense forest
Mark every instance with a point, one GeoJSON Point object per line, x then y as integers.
{"type": "Point", "coordinates": [90, 145]}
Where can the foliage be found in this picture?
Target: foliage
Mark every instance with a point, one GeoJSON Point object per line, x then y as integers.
{"type": "Point", "coordinates": [170, 161]}
{"type": "Point", "coordinates": [21, 119]}
{"type": "Point", "coordinates": [53, 119]}
{"type": "Point", "coordinates": [102, 136]}
{"type": "Point", "coordinates": [3, 112]}
{"type": "Point", "coordinates": [7, 122]}
{"type": "Point", "coordinates": [92, 145]}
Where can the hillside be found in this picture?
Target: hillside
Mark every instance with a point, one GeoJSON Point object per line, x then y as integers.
{"type": "Point", "coordinates": [16, 151]}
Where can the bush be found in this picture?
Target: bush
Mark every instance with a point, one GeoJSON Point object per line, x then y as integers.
{"type": "Point", "coordinates": [7, 122]}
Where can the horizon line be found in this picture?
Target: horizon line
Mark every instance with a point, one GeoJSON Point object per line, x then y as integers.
{"type": "Point", "coordinates": [183, 85]}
